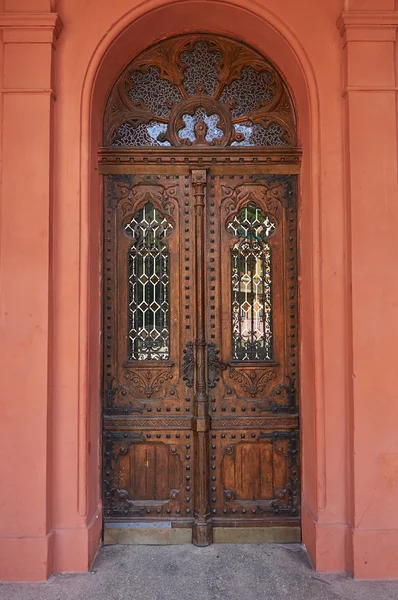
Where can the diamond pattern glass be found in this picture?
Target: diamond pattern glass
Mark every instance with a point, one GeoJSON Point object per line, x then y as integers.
{"type": "Point", "coordinates": [149, 286]}
{"type": "Point", "coordinates": [251, 285]}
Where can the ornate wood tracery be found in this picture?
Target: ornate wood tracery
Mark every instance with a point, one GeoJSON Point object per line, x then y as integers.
{"type": "Point", "coordinates": [200, 90]}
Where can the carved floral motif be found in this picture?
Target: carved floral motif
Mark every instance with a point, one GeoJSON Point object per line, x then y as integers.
{"type": "Point", "coordinates": [271, 196]}
{"type": "Point", "coordinates": [129, 195]}
{"type": "Point", "coordinates": [148, 382]}
{"type": "Point", "coordinates": [253, 381]}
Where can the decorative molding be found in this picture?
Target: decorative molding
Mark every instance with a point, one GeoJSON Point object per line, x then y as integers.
{"type": "Point", "coordinates": [376, 26]}
{"type": "Point", "coordinates": [43, 27]}
{"type": "Point", "coordinates": [128, 161]}
{"type": "Point", "coordinates": [30, 91]}
{"type": "Point", "coordinates": [377, 18]}
{"type": "Point", "coordinates": [372, 88]}
{"type": "Point", "coordinates": [137, 423]}
{"type": "Point", "coordinates": [272, 195]}
{"type": "Point", "coordinates": [253, 423]}
{"type": "Point", "coordinates": [129, 196]}
{"type": "Point", "coordinates": [31, 21]}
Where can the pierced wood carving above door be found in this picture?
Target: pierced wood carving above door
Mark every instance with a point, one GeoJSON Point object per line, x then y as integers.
{"type": "Point", "coordinates": [203, 91]}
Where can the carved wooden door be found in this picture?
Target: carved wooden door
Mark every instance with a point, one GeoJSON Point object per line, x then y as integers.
{"type": "Point", "coordinates": [200, 425]}
{"type": "Point", "coordinates": [252, 349]}
{"type": "Point", "coordinates": [149, 327]}
{"type": "Point", "coordinates": [200, 428]}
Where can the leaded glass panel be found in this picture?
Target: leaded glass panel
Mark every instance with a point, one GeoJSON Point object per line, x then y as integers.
{"type": "Point", "coordinates": [156, 93]}
{"type": "Point", "coordinates": [190, 80]}
{"type": "Point", "coordinates": [255, 134]}
{"type": "Point", "coordinates": [249, 91]}
{"type": "Point", "coordinates": [200, 73]}
{"type": "Point", "coordinates": [200, 116]}
{"type": "Point", "coordinates": [251, 285]}
{"type": "Point", "coordinates": [144, 134]}
{"type": "Point", "coordinates": [149, 286]}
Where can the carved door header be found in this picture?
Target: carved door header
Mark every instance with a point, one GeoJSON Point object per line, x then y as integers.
{"type": "Point", "coordinates": [200, 90]}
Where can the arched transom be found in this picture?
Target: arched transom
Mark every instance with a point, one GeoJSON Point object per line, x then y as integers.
{"type": "Point", "coordinates": [200, 90]}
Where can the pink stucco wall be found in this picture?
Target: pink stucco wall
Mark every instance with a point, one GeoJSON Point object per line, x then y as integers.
{"type": "Point", "coordinates": [54, 84]}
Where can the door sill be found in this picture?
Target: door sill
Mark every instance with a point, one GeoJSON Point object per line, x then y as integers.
{"type": "Point", "coordinates": [165, 535]}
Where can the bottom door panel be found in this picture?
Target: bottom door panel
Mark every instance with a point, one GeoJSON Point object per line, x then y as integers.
{"type": "Point", "coordinates": [147, 475]}
{"type": "Point", "coordinates": [254, 477]}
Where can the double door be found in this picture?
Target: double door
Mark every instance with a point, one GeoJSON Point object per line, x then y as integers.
{"type": "Point", "coordinates": [200, 425]}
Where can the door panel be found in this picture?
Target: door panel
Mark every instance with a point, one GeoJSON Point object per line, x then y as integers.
{"type": "Point", "coordinates": [148, 321]}
{"type": "Point", "coordinates": [200, 333]}
{"type": "Point", "coordinates": [252, 330]}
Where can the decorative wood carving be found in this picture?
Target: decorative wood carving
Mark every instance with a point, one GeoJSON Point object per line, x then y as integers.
{"type": "Point", "coordinates": [129, 197]}
{"type": "Point", "coordinates": [214, 366]}
{"type": "Point", "coordinates": [141, 423]}
{"type": "Point", "coordinates": [272, 197]}
{"type": "Point", "coordinates": [119, 399]}
{"type": "Point", "coordinates": [282, 398]}
{"type": "Point", "coordinates": [200, 90]}
{"type": "Point", "coordinates": [254, 422]}
{"type": "Point", "coordinates": [202, 534]}
{"type": "Point", "coordinates": [253, 381]}
{"type": "Point", "coordinates": [189, 366]}
{"type": "Point", "coordinates": [148, 382]}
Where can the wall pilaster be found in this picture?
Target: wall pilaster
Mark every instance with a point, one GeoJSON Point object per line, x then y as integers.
{"type": "Point", "coordinates": [370, 96]}
{"type": "Point", "coordinates": [28, 44]}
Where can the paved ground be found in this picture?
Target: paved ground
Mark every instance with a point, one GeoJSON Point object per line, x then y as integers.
{"type": "Point", "coordinates": [230, 572]}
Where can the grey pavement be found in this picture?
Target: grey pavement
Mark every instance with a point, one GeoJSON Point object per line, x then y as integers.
{"type": "Point", "coordinates": [230, 572]}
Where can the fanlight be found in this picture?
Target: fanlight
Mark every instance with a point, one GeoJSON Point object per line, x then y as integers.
{"type": "Point", "coordinates": [199, 90]}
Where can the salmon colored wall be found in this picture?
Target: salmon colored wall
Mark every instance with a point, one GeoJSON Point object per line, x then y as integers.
{"type": "Point", "coordinates": [344, 83]}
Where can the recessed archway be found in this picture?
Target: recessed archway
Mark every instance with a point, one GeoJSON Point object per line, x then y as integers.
{"type": "Point", "coordinates": [269, 36]}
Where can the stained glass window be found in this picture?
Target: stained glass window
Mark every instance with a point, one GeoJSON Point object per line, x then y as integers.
{"type": "Point", "coordinates": [149, 286]}
{"type": "Point", "coordinates": [251, 275]}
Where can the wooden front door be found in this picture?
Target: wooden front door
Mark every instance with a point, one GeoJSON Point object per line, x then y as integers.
{"type": "Point", "coordinates": [200, 361]}
{"type": "Point", "coordinates": [200, 427]}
